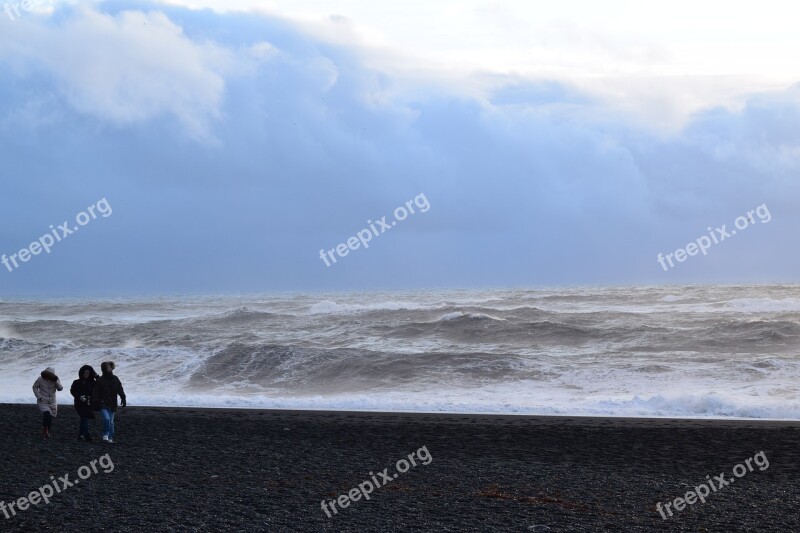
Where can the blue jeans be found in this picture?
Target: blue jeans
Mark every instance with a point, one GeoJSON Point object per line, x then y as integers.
{"type": "Point", "coordinates": [108, 422]}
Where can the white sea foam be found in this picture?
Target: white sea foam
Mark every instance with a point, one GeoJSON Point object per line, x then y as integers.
{"type": "Point", "coordinates": [457, 315]}
{"type": "Point", "coordinates": [692, 406]}
{"type": "Point", "coordinates": [8, 332]}
{"type": "Point", "coordinates": [332, 307]}
{"type": "Point", "coordinates": [764, 305]}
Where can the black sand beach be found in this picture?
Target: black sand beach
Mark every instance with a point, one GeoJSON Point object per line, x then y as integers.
{"type": "Point", "coordinates": [249, 470]}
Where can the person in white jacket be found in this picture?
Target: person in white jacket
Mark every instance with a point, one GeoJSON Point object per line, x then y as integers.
{"type": "Point", "coordinates": [45, 388]}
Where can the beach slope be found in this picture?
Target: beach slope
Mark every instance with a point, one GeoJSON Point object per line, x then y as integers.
{"type": "Point", "coordinates": [250, 470]}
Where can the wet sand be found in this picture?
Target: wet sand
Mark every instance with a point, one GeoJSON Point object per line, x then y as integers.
{"type": "Point", "coordinates": [254, 470]}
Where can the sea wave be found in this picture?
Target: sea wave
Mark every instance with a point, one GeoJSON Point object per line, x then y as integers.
{"type": "Point", "coordinates": [693, 351]}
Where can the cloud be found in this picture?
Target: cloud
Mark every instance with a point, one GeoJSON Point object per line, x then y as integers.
{"type": "Point", "coordinates": [658, 62]}
{"type": "Point", "coordinates": [128, 68]}
{"type": "Point", "coordinates": [531, 181]}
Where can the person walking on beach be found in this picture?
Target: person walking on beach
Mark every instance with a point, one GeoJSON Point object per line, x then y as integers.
{"type": "Point", "coordinates": [106, 390]}
{"type": "Point", "coordinates": [45, 388]}
{"type": "Point", "coordinates": [82, 390]}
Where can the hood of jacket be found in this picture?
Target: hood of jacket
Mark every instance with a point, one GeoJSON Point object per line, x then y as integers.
{"type": "Point", "coordinates": [49, 374]}
{"type": "Point", "coordinates": [90, 369]}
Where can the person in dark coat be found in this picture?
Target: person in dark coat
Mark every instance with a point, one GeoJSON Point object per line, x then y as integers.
{"type": "Point", "coordinates": [82, 390]}
{"type": "Point", "coordinates": [106, 390]}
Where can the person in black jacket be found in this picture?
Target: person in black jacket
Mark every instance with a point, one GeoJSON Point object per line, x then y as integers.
{"type": "Point", "coordinates": [82, 390]}
{"type": "Point", "coordinates": [106, 390]}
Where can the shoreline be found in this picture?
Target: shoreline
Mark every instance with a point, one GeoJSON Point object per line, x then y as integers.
{"type": "Point", "coordinates": [581, 419]}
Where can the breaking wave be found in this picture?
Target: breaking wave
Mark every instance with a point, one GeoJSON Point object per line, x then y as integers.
{"type": "Point", "coordinates": [695, 351]}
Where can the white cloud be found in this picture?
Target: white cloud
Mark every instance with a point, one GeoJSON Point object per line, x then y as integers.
{"type": "Point", "coordinates": [649, 58]}
{"type": "Point", "coordinates": [126, 69]}
{"type": "Point", "coordinates": [262, 51]}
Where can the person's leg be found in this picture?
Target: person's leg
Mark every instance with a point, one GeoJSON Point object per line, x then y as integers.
{"type": "Point", "coordinates": [84, 425]}
{"type": "Point", "coordinates": [105, 413]}
{"type": "Point", "coordinates": [111, 426]}
{"type": "Point", "coordinates": [47, 423]}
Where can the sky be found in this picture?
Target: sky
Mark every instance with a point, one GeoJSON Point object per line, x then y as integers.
{"type": "Point", "coordinates": [233, 145]}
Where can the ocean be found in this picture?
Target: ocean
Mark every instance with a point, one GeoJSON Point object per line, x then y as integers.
{"type": "Point", "coordinates": [678, 351]}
